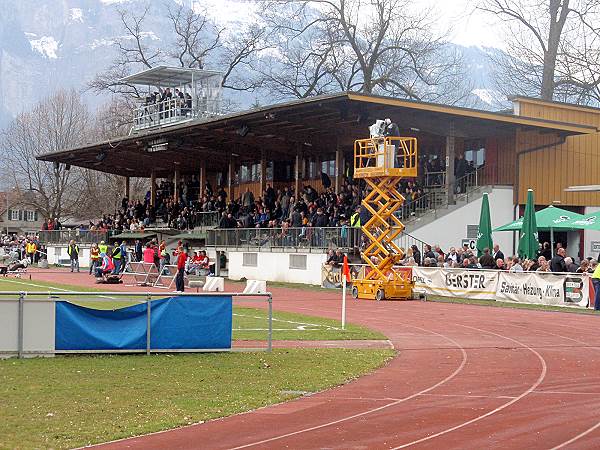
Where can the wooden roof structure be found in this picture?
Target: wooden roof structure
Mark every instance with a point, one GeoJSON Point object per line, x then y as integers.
{"type": "Point", "coordinates": [316, 125]}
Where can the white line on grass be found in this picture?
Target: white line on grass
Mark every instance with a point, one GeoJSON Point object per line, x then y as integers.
{"type": "Point", "coordinates": [289, 321]}
{"type": "Point", "coordinates": [51, 288]}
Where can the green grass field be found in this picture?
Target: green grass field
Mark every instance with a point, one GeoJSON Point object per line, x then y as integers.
{"type": "Point", "coordinates": [71, 401]}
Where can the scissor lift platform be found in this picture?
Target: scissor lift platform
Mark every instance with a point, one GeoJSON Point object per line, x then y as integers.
{"type": "Point", "coordinates": [382, 162]}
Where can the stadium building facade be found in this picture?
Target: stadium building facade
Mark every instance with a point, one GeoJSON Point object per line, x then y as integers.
{"type": "Point", "coordinates": [546, 146]}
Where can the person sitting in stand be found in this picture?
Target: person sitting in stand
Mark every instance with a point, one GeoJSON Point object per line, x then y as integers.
{"type": "Point", "coordinates": [195, 263]}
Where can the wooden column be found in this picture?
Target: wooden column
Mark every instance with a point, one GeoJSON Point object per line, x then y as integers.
{"type": "Point", "coordinates": [450, 154]}
{"type": "Point", "coordinates": [230, 175]}
{"type": "Point", "coordinates": [339, 168]}
{"type": "Point", "coordinates": [153, 188]}
{"type": "Point", "coordinates": [202, 178]}
{"type": "Point", "coordinates": [176, 181]}
{"type": "Point", "coordinates": [263, 172]}
{"type": "Point", "coordinates": [127, 187]}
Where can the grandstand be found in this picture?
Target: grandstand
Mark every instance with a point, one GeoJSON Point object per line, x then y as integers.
{"type": "Point", "coordinates": [291, 144]}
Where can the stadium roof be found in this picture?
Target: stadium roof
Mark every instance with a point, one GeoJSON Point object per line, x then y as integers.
{"type": "Point", "coordinates": [169, 76]}
{"type": "Point", "coordinates": [317, 125]}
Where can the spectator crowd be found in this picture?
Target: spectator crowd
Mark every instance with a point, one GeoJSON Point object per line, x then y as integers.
{"type": "Point", "coordinates": [466, 258]}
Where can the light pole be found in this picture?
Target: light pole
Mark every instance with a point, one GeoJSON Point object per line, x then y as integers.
{"type": "Point", "coordinates": [7, 215]}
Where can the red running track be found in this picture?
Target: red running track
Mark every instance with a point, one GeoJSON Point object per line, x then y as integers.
{"type": "Point", "coordinates": [464, 377]}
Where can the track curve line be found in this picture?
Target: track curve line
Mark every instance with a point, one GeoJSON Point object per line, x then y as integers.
{"type": "Point", "coordinates": [380, 408]}
{"type": "Point", "coordinates": [499, 408]}
{"type": "Point", "coordinates": [576, 438]}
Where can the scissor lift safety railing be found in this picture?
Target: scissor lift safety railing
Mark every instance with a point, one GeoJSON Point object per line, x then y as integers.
{"type": "Point", "coordinates": [382, 162]}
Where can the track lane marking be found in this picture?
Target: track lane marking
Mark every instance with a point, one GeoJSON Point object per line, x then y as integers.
{"type": "Point", "coordinates": [495, 410]}
{"type": "Point", "coordinates": [373, 410]}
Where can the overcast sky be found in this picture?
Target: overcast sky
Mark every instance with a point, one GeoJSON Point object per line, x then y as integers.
{"type": "Point", "coordinates": [470, 27]}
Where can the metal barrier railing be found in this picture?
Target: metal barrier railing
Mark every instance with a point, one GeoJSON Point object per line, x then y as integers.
{"type": "Point", "coordinates": [160, 113]}
{"type": "Point", "coordinates": [132, 297]}
{"type": "Point", "coordinates": [79, 236]}
{"type": "Point", "coordinates": [266, 239]}
{"type": "Point", "coordinates": [398, 154]}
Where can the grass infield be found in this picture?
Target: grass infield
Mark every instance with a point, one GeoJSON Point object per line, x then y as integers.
{"type": "Point", "coordinates": [71, 401]}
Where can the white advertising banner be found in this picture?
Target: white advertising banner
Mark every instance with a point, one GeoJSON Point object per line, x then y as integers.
{"type": "Point", "coordinates": [478, 284]}
{"type": "Point", "coordinates": [522, 287]}
{"type": "Point", "coordinates": [543, 289]}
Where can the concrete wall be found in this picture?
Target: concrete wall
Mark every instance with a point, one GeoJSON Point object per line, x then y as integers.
{"type": "Point", "coordinates": [590, 236]}
{"type": "Point", "coordinates": [449, 230]}
{"type": "Point", "coordinates": [276, 267]}
{"type": "Point", "coordinates": [38, 327]}
{"type": "Point", "coordinates": [57, 254]}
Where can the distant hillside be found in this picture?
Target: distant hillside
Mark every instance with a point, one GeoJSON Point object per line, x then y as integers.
{"type": "Point", "coordinates": [48, 44]}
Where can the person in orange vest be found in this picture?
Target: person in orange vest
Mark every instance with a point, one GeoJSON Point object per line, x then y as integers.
{"type": "Point", "coordinates": [94, 258]}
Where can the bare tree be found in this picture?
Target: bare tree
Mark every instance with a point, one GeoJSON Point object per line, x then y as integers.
{"type": "Point", "coordinates": [56, 123]}
{"type": "Point", "coordinates": [102, 192]}
{"type": "Point", "coordinates": [133, 52]}
{"type": "Point", "coordinates": [552, 47]}
{"type": "Point", "coordinates": [197, 43]}
{"type": "Point", "coordinates": [377, 46]}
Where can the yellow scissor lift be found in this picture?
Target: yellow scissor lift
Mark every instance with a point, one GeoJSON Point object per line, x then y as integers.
{"type": "Point", "coordinates": [383, 162]}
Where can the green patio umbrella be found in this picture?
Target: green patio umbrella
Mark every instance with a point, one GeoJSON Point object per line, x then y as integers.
{"type": "Point", "coordinates": [528, 238]}
{"type": "Point", "coordinates": [548, 218]}
{"type": "Point", "coordinates": [586, 222]}
{"type": "Point", "coordinates": [484, 235]}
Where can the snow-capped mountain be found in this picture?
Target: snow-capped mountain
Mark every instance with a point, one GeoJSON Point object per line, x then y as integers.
{"type": "Point", "coordinates": [50, 44]}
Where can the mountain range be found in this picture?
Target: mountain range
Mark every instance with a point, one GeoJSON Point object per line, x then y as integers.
{"type": "Point", "coordinates": [51, 44]}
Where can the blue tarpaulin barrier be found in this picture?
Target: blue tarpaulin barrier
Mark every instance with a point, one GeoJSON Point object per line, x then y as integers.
{"type": "Point", "coordinates": [176, 323]}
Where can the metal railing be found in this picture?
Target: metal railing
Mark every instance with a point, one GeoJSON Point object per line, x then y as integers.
{"type": "Point", "coordinates": [297, 239]}
{"type": "Point", "coordinates": [79, 236]}
{"type": "Point", "coordinates": [435, 179]}
{"type": "Point", "coordinates": [162, 112]}
{"type": "Point", "coordinates": [433, 200]}
{"type": "Point", "coordinates": [385, 154]}
{"type": "Point", "coordinates": [22, 298]}
{"type": "Point", "coordinates": [293, 239]}
{"type": "Point", "coordinates": [205, 219]}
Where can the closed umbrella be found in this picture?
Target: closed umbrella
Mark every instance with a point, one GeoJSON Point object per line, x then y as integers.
{"type": "Point", "coordinates": [484, 235]}
{"type": "Point", "coordinates": [528, 238]}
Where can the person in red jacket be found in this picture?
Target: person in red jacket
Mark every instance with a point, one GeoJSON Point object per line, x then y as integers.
{"type": "Point", "coordinates": [181, 260]}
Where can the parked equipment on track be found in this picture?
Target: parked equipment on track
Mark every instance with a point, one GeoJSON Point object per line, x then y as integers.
{"type": "Point", "coordinates": [382, 161]}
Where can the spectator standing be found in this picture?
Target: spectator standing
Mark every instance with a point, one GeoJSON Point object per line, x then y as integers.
{"type": "Point", "coordinates": [138, 250]}
{"type": "Point", "coordinates": [516, 265]}
{"type": "Point", "coordinates": [557, 264]}
{"type": "Point", "coordinates": [94, 258]}
{"type": "Point", "coordinates": [416, 254]}
{"type": "Point", "coordinates": [73, 252]}
{"type": "Point", "coordinates": [596, 283]}
{"type": "Point", "coordinates": [181, 260]}
{"type": "Point", "coordinates": [570, 265]}
{"type": "Point", "coordinates": [486, 260]}
{"type": "Point", "coordinates": [30, 249]}
{"type": "Point", "coordinates": [546, 252]}
{"type": "Point", "coordinates": [497, 253]}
